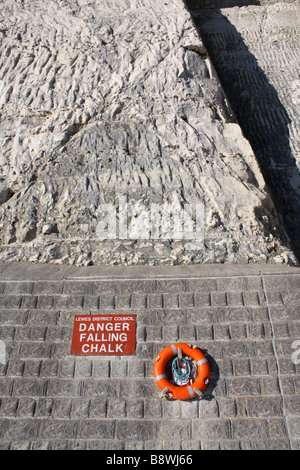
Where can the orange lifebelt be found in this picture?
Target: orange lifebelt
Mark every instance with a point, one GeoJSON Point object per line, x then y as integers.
{"type": "Point", "coordinates": [181, 392]}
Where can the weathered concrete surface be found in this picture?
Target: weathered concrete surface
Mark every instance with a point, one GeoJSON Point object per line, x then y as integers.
{"type": "Point", "coordinates": [245, 317]}
{"type": "Point", "coordinates": [106, 99]}
{"type": "Point", "coordinates": [254, 46]}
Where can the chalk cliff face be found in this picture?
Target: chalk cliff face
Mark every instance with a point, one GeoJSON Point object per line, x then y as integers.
{"type": "Point", "coordinates": [111, 112]}
{"type": "Point", "coordinates": [255, 49]}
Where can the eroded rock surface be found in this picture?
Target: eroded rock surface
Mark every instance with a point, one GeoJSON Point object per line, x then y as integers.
{"type": "Point", "coordinates": [254, 47]}
{"type": "Point", "coordinates": [106, 100]}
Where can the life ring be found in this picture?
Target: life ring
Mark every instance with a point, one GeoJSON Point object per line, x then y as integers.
{"type": "Point", "coordinates": [183, 392]}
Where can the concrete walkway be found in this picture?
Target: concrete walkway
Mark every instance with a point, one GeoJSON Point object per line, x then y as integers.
{"type": "Point", "coordinates": [246, 318]}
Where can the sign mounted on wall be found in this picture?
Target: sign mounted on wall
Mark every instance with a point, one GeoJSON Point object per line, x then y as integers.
{"type": "Point", "coordinates": [103, 335]}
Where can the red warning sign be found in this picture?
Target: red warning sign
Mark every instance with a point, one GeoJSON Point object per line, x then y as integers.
{"type": "Point", "coordinates": [103, 335]}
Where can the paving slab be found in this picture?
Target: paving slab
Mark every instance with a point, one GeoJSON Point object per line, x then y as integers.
{"type": "Point", "coordinates": [245, 319]}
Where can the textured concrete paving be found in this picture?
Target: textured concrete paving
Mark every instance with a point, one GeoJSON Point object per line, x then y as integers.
{"type": "Point", "coordinates": [245, 317]}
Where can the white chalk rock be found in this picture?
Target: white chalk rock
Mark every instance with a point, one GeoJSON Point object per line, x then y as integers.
{"type": "Point", "coordinates": [116, 130]}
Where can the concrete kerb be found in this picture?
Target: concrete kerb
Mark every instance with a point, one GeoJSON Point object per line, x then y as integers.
{"type": "Point", "coordinates": [32, 271]}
